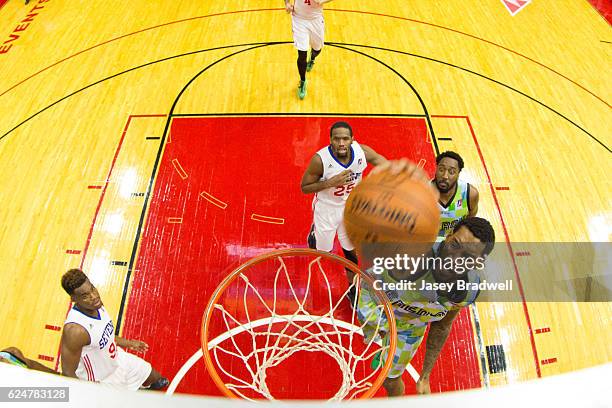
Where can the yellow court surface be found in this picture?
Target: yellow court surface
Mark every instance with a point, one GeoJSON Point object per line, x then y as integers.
{"type": "Point", "coordinates": [93, 95]}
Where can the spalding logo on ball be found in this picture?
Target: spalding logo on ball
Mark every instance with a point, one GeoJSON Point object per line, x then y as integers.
{"type": "Point", "coordinates": [392, 208]}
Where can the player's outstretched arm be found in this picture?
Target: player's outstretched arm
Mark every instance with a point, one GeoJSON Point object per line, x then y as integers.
{"type": "Point", "coordinates": [372, 157]}
{"type": "Point", "coordinates": [438, 333]}
{"type": "Point", "coordinates": [322, 2]}
{"type": "Point", "coordinates": [311, 181]}
{"type": "Point", "coordinates": [136, 345]}
{"type": "Point", "coordinates": [74, 338]}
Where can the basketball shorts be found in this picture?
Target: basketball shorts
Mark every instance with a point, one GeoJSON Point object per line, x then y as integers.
{"type": "Point", "coordinates": [308, 33]}
{"type": "Point", "coordinates": [132, 371]}
{"type": "Point", "coordinates": [327, 221]}
{"type": "Point", "coordinates": [409, 337]}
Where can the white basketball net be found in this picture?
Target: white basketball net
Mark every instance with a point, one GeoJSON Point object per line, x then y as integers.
{"type": "Point", "coordinates": [311, 333]}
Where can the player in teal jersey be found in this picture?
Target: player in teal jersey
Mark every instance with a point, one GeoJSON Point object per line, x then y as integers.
{"type": "Point", "coordinates": [415, 309]}
{"type": "Point", "coordinates": [458, 199]}
{"type": "Point", "coordinates": [14, 356]}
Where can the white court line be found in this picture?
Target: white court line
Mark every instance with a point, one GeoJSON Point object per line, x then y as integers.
{"type": "Point", "coordinates": [256, 323]}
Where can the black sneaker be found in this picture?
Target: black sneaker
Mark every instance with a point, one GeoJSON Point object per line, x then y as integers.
{"type": "Point", "coordinates": [160, 384]}
{"type": "Point", "coordinates": [311, 239]}
{"type": "Point", "coordinates": [351, 295]}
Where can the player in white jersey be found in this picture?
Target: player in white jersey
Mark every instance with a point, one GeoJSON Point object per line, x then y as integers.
{"type": "Point", "coordinates": [91, 351]}
{"type": "Point", "coordinates": [308, 32]}
{"type": "Point", "coordinates": [331, 175]}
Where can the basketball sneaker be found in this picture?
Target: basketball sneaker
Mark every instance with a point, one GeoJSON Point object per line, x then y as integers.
{"type": "Point", "coordinates": [351, 294]}
{"type": "Point", "coordinates": [312, 239]}
{"type": "Point", "coordinates": [376, 363]}
{"type": "Point", "coordinates": [309, 66]}
{"type": "Point", "coordinates": [301, 91]}
{"type": "Point", "coordinates": [159, 384]}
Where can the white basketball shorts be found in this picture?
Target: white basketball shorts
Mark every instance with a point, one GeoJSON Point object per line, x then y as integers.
{"type": "Point", "coordinates": [308, 33]}
{"type": "Point", "coordinates": [327, 222]}
{"type": "Point", "coordinates": [131, 373]}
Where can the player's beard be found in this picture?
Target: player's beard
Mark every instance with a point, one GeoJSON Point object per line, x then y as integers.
{"type": "Point", "coordinates": [342, 154]}
{"type": "Point", "coordinates": [446, 189]}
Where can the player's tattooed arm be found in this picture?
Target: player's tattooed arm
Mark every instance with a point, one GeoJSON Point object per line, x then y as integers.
{"type": "Point", "coordinates": [372, 157]}
{"type": "Point", "coordinates": [311, 181]}
{"type": "Point", "coordinates": [438, 333]}
{"type": "Point", "coordinates": [473, 201]}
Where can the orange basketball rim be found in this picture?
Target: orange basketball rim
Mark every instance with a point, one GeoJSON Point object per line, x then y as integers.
{"type": "Point", "coordinates": [309, 332]}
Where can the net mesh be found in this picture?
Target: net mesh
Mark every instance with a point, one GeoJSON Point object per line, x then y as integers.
{"type": "Point", "coordinates": [278, 335]}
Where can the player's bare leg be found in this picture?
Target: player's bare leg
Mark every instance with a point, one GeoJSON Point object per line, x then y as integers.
{"type": "Point", "coordinates": [394, 386]}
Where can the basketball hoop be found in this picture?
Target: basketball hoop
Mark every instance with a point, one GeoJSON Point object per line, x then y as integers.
{"type": "Point", "coordinates": [292, 306]}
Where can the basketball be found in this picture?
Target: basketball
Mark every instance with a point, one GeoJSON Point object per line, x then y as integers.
{"type": "Point", "coordinates": [393, 208]}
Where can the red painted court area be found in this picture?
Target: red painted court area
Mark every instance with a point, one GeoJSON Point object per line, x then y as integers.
{"type": "Point", "coordinates": [228, 189]}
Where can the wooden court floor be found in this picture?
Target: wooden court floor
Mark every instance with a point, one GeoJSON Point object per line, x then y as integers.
{"type": "Point", "coordinates": [90, 95]}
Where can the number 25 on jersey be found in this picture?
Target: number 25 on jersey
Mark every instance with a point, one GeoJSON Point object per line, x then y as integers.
{"type": "Point", "coordinates": [344, 190]}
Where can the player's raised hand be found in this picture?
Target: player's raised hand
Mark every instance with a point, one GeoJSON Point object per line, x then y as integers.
{"type": "Point", "coordinates": [340, 179]}
{"type": "Point", "coordinates": [288, 7]}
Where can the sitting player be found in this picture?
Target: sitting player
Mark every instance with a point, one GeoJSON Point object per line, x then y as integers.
{"type": "Point", "coordinates": [91, 351]}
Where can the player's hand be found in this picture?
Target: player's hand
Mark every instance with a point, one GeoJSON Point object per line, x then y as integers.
{"type": "Point", "coordinates": [289, 7]}
{"type": "Point", "coordinates": [138, 345]}
{"type": "Point", "coordinates": [407, 167]}
{"type": "Point", "coordinates": [422, 386]}
{"type": "Point", "coordinates": [340, 179]}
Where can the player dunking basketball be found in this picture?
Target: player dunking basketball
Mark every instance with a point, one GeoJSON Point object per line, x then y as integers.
{"type": "Point", "coordinates": [308, 32]}
{"type": "Point", "coordinates": [331, 175]}
{"type": "Point", "coordinates": [437, 295]}
{"type": "Point", "coordinates": [458, 199]}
